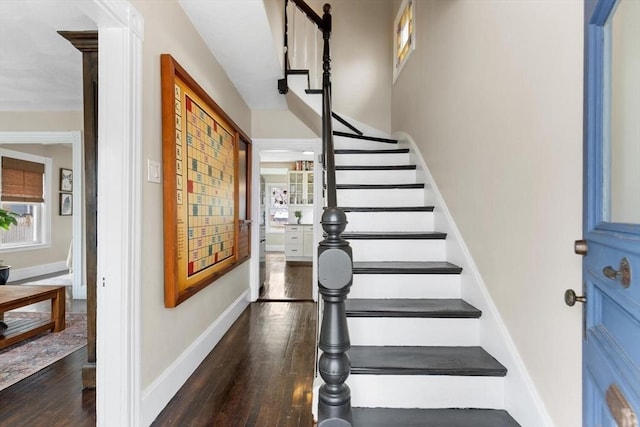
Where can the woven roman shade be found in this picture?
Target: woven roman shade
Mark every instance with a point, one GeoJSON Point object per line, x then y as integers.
{"type": "Point", "coordinates": [22, 181]}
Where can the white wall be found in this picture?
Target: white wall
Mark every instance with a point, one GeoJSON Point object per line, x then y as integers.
{"type": "Point", "coordinates": [361, 59]}
{"type": "Point", "coordinates": [493, 97]}
{"type": "Point", "coordinates": [168, 332]}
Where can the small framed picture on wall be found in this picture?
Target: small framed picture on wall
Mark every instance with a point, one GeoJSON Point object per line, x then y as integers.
{"type": "Point", "coordinates": [66, 204]}
{"type": "Point", "coordinates": [66, 180]}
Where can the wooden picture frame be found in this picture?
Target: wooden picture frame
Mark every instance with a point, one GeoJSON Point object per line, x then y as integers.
{"type": "Point", "coordinates": [66, 180]}
{"type": "Point", "coordinates": [66, 204]}
{"type": "Point", "coordinates": [206, 231]}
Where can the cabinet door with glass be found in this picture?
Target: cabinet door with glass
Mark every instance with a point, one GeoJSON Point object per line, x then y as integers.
{"type": "Point", "coordinates": [300, 187]}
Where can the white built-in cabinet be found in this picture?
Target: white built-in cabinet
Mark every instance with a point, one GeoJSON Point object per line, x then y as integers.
{"type": "Point", "coordinates": [298, 242]}
{"type": "Point", "coordinates": [300, 187]}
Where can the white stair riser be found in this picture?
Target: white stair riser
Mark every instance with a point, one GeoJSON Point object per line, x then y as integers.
{"type": "Point", "coordinates": [398, 250]}
{"type": "Point", "coordinates": [390, 221]}
{"type": "Point", "coordinates": [412, 331]}
{"type": "Point", "coordinates": [374, 197]}
{"type": "Point", "coordinates": [426, 391]}
{"type": "Point", "coordinates": [405, 286]}
{"type": "Point", "coordinates": [343, 142]}
{"type": "Point", "coordinates": [376, 177]}
{"type": "Point", "coordinates": [386, 159]}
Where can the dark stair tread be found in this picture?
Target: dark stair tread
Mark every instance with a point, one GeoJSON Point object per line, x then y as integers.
{"type": "Point", "coordinates": [409, 360]}
{"type": "Point", "coordinates": [383, 151]}
{"type": "Point", "coordinates": [398, 417]}
{"type": "Point", "coordinates": [375, 168]}
{"type": "Point", "coordinates": [365, 137]}
{"type": "Point", "coordinates": [313, 91]}
{"type": "Point", "coordinates": [405, 267]}
{"type": "Point", "coordinates": [419, 308]}
{"type": "Point", "coordinates": [297, 72]}
{"type": "Point", "coordinates": [388, 209]}
{"type": "Point", "coordinates": [376, 186]}
{"type": "Point", "coordinates": [394, 235]}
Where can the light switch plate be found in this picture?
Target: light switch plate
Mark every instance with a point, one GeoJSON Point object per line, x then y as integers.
{"type": "Point", "coordinates": [153, 171]}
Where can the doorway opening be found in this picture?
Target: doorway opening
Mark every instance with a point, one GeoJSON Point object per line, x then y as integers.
{"type": "Point", "coordinates": [288, 207]}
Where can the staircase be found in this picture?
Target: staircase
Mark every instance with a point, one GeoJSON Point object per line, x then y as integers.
{"type": "Point", "coordinates": [413, 344]}
{"type": "Point", "coordinates": [415, 359]}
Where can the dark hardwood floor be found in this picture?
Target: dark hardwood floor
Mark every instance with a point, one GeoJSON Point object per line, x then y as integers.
{"type": "Point", "coordinates": [286, 281]}
{"type": "Point", "coordinates": [260, 374]}
{"type": "Point", "coordinates": [51, 397]}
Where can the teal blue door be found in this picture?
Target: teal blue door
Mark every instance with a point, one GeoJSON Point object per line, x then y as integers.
{"type": "Point", "coordinates": [611, 263]}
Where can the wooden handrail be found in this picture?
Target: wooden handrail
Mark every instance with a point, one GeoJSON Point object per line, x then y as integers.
{"type": "Point", "coordinates": [312, 15]}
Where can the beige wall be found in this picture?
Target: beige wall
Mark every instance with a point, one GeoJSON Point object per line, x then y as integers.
{"type": "Point", "coordinates": [278, 124]}
{"type": "Point", "coordinates": [275, 15]}
{"type": "Point", "coordinates": [168, 332]}
{"type": "Point", "coordinates": [41, 121]}
{"type": "Point", "coordinates": [361, 59]}
{"type": "Point", "coordinates": [61, 226]}
{"type": "Point", "coordinates": [493, 97]}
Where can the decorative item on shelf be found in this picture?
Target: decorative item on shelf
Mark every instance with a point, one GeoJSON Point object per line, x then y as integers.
{"type": "Point", "coordinates": [298, 215]}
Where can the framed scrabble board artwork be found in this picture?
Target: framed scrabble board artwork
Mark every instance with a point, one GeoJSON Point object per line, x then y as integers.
{"type": "Point", "coordinates": [206, 231]}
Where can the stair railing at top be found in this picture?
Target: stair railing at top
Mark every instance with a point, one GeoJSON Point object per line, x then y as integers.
{"type": "Point", "coordinates": [335, 260]}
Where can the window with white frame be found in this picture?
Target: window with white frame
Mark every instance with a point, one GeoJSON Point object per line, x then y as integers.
{"type": "Point", "coordinates": [404, 32]}
{"type": "Point", "coordinates": [24, 183]}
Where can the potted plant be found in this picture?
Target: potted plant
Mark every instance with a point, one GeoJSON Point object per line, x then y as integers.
{"type": "Point", "coordinates": [7, 219]}
{"type": "Point", "coordinates": [298, 215]}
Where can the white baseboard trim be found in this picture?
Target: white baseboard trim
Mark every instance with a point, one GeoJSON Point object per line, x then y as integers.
{"type": "Point", "coordinates": [36, 270]}
{"type": "Point", "coordinates": [157, 395]}
{"type": "Point", "coordinates": [522, 399]}
{"type": "Point", "coordinates": [274, 248]}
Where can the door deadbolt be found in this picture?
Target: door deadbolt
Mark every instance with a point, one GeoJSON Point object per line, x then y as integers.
{"type": "Point", "coordinates": [581, 247]}
{"type": "Point", "coordinates": [570, 298]}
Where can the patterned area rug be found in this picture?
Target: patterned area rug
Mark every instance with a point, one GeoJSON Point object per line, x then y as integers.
{"type": "Point", "coordinates": [28, 357]}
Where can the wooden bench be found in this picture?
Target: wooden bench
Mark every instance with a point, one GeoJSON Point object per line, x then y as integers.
{"type": "Point", "coordinates": [16, 296]}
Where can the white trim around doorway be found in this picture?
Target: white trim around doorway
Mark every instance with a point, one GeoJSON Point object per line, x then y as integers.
{"type": "Point", "coordinates": [300, 144]}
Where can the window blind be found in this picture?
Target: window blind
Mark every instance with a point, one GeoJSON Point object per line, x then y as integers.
{"type": "Point", "coordinates": [22, 181]}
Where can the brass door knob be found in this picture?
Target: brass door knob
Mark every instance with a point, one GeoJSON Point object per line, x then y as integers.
{"type": "Point", "coordinates": [581, 247]}
{"type": "Point", "coordinates": [570, 298]}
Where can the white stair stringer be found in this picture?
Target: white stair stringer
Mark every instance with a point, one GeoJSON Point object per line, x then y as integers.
{"type": "Point", "coordinates": [426, 391]}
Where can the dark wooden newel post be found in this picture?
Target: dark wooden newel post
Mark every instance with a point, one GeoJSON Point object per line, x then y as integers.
{"type": "Point", "coordinates": [335, 273]}
{"type": "Point", "coordinates": [87, 43]}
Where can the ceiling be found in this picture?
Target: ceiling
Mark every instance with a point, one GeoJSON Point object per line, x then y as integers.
{"type": "Point", "coordinates": [41, 71]}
